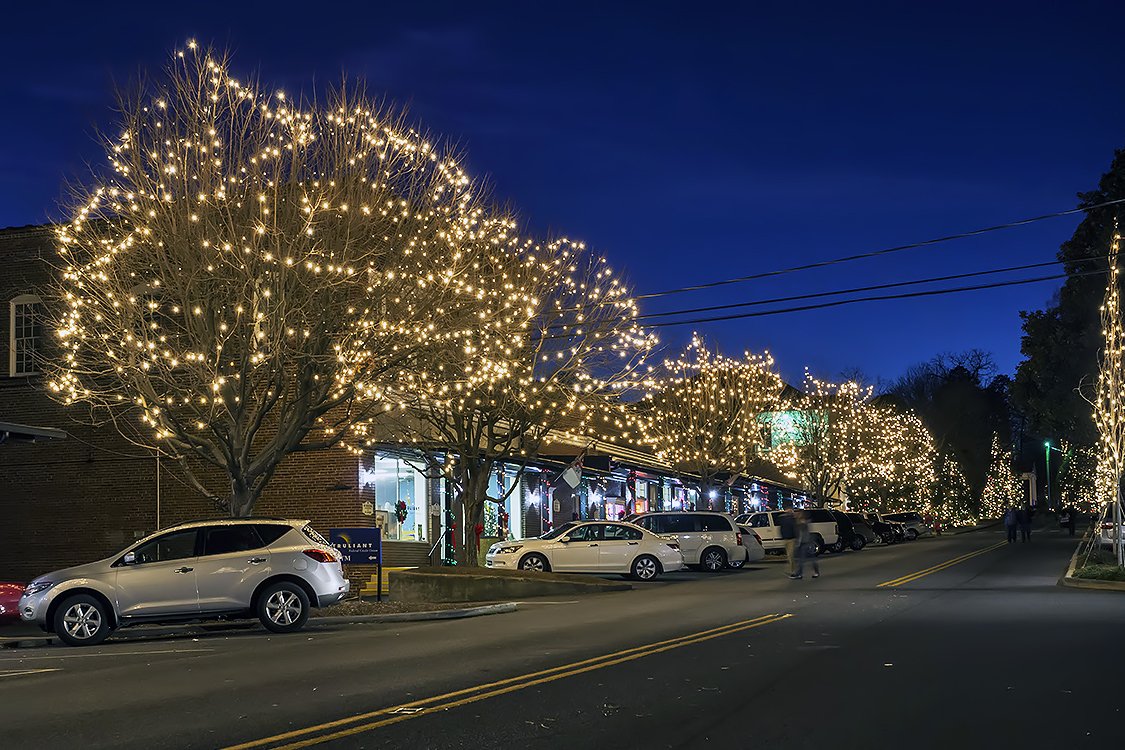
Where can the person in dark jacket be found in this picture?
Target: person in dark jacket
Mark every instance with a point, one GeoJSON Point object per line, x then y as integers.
{"type": "Point", "coordinates": [787, 525]}
{"type": "Point", "coordinates": [1023, 517]}
{"type": "Point", "coordinates": [1011, 522]}
{"type": "Point", "coordinates": [1070, 519]}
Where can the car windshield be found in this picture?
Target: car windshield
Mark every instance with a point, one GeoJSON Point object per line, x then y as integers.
{"type": "Point", "coordinates": [554, 533]}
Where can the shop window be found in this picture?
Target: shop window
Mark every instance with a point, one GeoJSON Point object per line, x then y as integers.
{"type": "Point", "coordinates": [25, 334]}
{"type": "Point", "coordinates": [399, 497]}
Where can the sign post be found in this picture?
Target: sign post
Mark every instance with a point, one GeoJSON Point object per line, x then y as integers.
{"type": "Point", "coordinates": [361, 546]}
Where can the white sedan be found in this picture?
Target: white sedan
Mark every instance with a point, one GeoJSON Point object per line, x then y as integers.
{"type": "Point", "coordinates": [591, 547]}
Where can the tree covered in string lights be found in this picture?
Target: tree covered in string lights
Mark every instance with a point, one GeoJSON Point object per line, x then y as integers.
{"type": "Point", "coordinates": [554, 359]}
{"type": "Point", "coordinates": [1109, 398]}
{"type": "Point", "coordinates": [1077, 476]}
{"type": "Point", "coordinates": [1002, 488]}
{"type": "Point", "coordinates": [826, 438]}
{"type": "Point", "coordinates": [895, 461]}
{"type": "Point", "coordinates": [251, 273]}
{"type": "Point", "coordinates": [702, 412]}
{"type": "Point", "coordinates": [954, 503]}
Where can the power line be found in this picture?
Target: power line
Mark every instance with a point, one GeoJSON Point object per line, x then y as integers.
{"type": "Point", "coordinates": [884, 251]}
{"type": "Point", "coordinates": [854, 290]}
{"type": "Point", "coordinates": [873, 298]}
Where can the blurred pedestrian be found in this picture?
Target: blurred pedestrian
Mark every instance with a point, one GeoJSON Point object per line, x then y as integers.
{"type": "Point", "coordinates": [806, 547]}
{"type": "Point", "coordinates": [787, 526]}
{"type": "Point", "coordinates": [1023, 517]}
{"type": "Point", "coordinates": [1011, 522]}
{"type": "Point", "coordinates": [1071, 519]}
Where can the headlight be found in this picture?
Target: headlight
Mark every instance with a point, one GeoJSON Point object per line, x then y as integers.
{"type": "Point", "coordinates": [37, 587]}
{"type": "Point", "coordinates": [509, 549]}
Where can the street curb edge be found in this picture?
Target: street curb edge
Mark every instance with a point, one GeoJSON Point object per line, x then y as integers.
{"type": "Point", "coordinates": [439, 614]}
{"type": "Point", "coordinates": [1069, 580]}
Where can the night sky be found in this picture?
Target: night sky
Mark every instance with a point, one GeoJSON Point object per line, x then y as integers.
{"type": "Point", "coordinates": [688, 142]}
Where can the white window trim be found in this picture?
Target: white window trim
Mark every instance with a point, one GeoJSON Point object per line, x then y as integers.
{"type": "Point", "coordinates": [23, 299]}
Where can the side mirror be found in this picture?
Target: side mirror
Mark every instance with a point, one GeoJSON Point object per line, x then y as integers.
{"type": "Point", "coordinates": [564, 539]}
{"type": "Point", "coordinates": [129, 559]}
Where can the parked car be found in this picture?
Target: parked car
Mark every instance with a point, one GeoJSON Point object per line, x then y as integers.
{"type": "Point", "coordinates": [591, 547]}
{"type": "Point", "coordinates": [822, 526]}
{"type": "Point", "coordinates": [272, 568]}
{"type": "Point", "coordinates": [1107, 537]}
{"type": "Point", "coordinates": [850, 538]}
{"type": "Point", "coordinates": [755, 549]}
{"type": "Point", "coordinates": [10, 602]}
{"type": "Point", "coordinates": [890, 533]}
{"type": "Point", "coordinates": [708, 540]}
{"type": "Point", "coordinates": [863, 528]}
{"type": "Point", "coordinates": [915, 525]}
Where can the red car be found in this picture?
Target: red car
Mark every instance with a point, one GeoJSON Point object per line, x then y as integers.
{"type": "Point", "coordinates": [10, 602]}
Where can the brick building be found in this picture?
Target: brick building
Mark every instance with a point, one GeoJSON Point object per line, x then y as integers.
{"type": "Point", "coordinates": [87, 495]}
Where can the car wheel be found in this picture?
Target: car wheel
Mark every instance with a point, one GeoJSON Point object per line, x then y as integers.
{"type": "Point", "coordinates": [818, 545]}
{"type": "Point", "coordinates": [838, 546]}
{"type": "Point", "coordinates": [858, 543]}
{"type": "Point", "coordinates": [283, 607]}
{"type": "Point", "coordinates": [82, 620]}
{"type": "Point", "coordinates": [645, 568]}
{"type": "Point", "coordinates": [888, 539]}
{"type": "Point", "coordinates": [736, 564]}
{"type": "Point", "coordinates": [713, 559]}
{"type": "Point", "coordinates": [911, 535]}
{"type": "Point", "coordinates": [535, 562]}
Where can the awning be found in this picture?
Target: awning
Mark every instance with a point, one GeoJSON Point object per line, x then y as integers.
{"type": "Point", "coordinates": [28, 434]}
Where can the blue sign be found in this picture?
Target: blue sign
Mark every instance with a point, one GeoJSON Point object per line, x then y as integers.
{"type": "Point", "coordinates": [359, 546]}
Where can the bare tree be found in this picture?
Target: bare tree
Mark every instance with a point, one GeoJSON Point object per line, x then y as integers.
{"type": "Point", "coordinates": [703, 414]}
{"type": "Point", "coordinates": [561, 344]}
{"type": "Point", "coordinates": [252, 271]}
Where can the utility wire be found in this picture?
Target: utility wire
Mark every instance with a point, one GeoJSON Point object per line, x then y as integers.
{"type": "Point", "coordinates": [877, 253]}
{"type": "Point", "coordinates": [873, 298]}
{"type": "Point", "coordinates": [854, 290]}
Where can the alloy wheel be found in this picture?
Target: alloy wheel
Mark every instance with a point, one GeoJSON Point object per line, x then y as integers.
{"type": "Point", "coordinates": [713, 561]}
{"type": "Point", "coordinates": [283, 607]}
{"type": "Point", "coordinates": [645, 568]}
{"type": "Point", "coordinates": [534, 562]}
{"type": "Point", "coordinates": [82, 621]}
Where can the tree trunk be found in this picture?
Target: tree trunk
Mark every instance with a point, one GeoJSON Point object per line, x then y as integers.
{"type": "Point", "coordinates": [473, 497]}
{"type": "Point", "coordinates": [242, 498]}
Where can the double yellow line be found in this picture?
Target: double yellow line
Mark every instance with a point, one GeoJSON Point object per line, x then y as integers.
{"type": "Point", "coordinates": [359, 723]}
{"type": "Point", "coordinates": [939, 567]}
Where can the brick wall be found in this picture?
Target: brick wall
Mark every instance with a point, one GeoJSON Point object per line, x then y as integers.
{"type": "Point", "coordinates": [69, 501]}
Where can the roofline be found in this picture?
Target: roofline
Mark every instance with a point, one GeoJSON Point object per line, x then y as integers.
{"type": "Point", "coordinates": [28, 433]}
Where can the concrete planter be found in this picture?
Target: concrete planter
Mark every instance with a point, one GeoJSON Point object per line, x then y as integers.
{"type": "Point", "coordinates": [484, 585]}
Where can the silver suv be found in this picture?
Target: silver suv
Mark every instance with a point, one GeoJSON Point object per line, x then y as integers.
{"type": "Point", "coordinates": [272, 568]}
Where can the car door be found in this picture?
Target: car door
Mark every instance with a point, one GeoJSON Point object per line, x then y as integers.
{"type": "Point", "coordinates": [765, 525]}
{"type": "Point", "coordinates": [158, 577]}
{"type": "Point", "coordinates": [685, 528]}
{"type": "Point", "coordinates": [619, 546]}
{"type": "Point", "coordinates": [580, 550]}
{"type": "Point", "coordinates": [232, 564]}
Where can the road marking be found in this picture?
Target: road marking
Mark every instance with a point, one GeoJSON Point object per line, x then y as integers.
{"type": "Point", "coordinates": [426, 706]}
{"type": "Point", "coordinates": [13, 657]}
{"type": "Point", "coordinates": [909, 577]}
{"type": "Point", "coordinates": [24, 672]}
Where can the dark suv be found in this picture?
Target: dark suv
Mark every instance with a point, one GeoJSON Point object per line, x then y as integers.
{"type": "Point", "coordinates": [850, 537]}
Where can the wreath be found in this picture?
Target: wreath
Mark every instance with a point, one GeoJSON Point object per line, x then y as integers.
{"type": "Point", "coordinates": [400, 511]}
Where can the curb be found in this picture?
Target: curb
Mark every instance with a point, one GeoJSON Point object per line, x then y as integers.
{"type": "Point", "coordinates": [1070, 581]}
{"type": "Point", "coordinates": [978, 527]}
{"type": "Point", "coordinates": [440, 614]}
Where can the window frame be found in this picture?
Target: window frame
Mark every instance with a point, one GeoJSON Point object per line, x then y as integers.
{"type": "Point", "coordinates": [208, 530]}
{"type": "Point", "coordinates": [14, 303]}
{"type": "Point", "coordinates": [156, 540]}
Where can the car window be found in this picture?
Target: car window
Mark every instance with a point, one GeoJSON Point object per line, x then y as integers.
{"type": "Point", "coordinates": [174, 546]}
{"type": "Point", "coordinates": [713, 523]}
{"type": "Point", "coordinates": [591, 532]}
{"type": "Point", "coordinates": [616, 531]}
{"type": "Point", "coordinates": [819, 515]}
{"type": "Point", "coordinates": [760, 521]}
{"type": "Point", "coordinates": [271, 532]}
{"type": "Point", "coordinates": [559, 530]}
{"type": "Point", "coordinates": [220, 540]}
{"type": "Point", "coordinates": [678, 524]}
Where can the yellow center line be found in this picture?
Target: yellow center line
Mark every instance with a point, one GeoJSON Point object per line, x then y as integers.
{"type": "Point", "coordinates": [426, 706]}
{"type": "Point", "coordinates": [939, 567]}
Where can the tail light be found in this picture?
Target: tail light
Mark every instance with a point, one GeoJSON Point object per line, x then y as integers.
{"type": "Point", "coordinates": [673, 545]}
{"type": "Point", "coordinates": [738, 538]}
{"type": "Point", "coordinates": [1107, 526]}
{"type": "Point", "coordinates": [756, 536]}
{"type": "Point", "coordinates": [320, 555]}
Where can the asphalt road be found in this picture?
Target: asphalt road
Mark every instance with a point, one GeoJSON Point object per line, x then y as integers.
{"type": "Point", "coordinates": [984, 651]}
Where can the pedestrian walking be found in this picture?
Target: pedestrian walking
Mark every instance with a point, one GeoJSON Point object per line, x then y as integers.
{"type": "Point", "coordinates": [787, 525]}
{"type": "Point", "coordinates": [1023, 517]}
{"type": "Point", "coordinates": [806, 547]}
{"type": "Point", "coordinates": [1071, 519]}
{"type": "Point", "coordinates": [1011, 522]}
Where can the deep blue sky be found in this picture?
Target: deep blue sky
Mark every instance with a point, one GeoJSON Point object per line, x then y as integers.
{"type": "Point", "coordinates": [687, 141]}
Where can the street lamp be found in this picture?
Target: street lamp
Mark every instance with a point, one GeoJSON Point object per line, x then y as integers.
{"type": "Point", "coordinates": [1047, 448]}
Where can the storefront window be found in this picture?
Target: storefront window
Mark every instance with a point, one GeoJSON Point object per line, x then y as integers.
{"type": "Point", "coordinates": [399, 496]}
